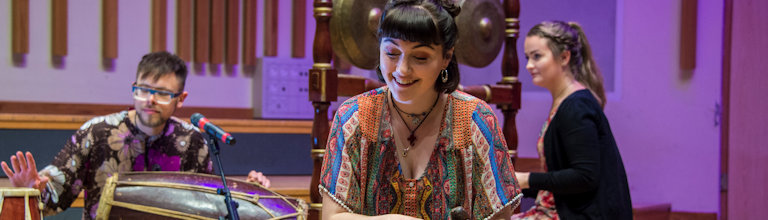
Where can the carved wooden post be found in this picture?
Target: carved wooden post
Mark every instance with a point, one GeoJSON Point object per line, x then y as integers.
{"type": "Point", "coordinates": [322, 91]}
{"type": "Point", "coordinates": [509, 71]}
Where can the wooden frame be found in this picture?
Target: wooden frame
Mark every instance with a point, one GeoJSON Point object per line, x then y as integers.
{"type": "Point", "coordinates": [725, 113]}
{"type": "Point", "coordinates": [102, 109]}
{"type": "Point", "coordinates": [73, 122]}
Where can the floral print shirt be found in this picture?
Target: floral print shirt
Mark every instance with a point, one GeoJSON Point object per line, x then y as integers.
{"type": "Point", "coordinates": [112, 143]}
{"type": "Point", "coordinates": [470, 166]}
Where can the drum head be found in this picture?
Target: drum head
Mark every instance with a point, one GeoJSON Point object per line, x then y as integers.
{"type": "Point", "coordinates": [170, 195]}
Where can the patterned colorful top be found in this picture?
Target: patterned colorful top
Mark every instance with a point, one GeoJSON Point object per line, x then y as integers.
{"type": "Point", "coordinates": [470, 166]}
{"type": "Point", "coordinates": [111, 143]}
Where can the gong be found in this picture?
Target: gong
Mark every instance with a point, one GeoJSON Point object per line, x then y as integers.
{"type": "Point", "coordinates": [353, 31]}
{"type": "Point", "coordinates": [481, 32]}
{"type": "Point", "coordinates": [354, 24]}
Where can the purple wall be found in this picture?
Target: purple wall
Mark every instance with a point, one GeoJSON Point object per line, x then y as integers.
{"type": "Point", "coordinates": [83, 80]}
{"type": "Point", "coordinates": [663, 118]}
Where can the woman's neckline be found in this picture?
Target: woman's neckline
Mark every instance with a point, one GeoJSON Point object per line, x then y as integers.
{"type": "Point", "coordinates": [436, 145]}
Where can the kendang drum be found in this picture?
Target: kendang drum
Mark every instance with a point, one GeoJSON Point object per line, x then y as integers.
{"type": "Point", "coordinates": [20, 203]}
{"type": "Point", "coordinates": [176, 195]}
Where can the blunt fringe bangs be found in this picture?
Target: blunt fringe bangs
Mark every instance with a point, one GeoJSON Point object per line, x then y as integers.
{"type": "Point", "coordinates": [411, 24]}
{"type": "Point", "coordinates": [427, 22]}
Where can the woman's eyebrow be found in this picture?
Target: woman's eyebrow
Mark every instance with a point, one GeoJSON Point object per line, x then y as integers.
{"type": "Point", "coordinates": [389, 40]}
{"type": "Point", "coordinates": [424, 45]}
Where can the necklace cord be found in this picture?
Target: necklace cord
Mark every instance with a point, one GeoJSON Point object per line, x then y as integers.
{"type": "Point", "coordinates": [412, 137]}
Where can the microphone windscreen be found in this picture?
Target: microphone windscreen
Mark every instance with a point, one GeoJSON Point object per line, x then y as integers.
{"type": "Point", "coordinates": [195, 119]}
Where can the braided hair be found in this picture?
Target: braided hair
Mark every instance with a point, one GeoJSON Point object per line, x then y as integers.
{"type": "Point", "coordinates": [569, 36]}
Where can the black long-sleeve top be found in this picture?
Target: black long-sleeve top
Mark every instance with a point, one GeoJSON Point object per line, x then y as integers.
{"type": "Point", "coordinates": [585, 170]}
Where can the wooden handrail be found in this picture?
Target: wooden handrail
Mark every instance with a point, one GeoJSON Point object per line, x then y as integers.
{"type": "Point", "coordinates": [73, 122]}
{"type": "Point", "coordinates": [492, 94]}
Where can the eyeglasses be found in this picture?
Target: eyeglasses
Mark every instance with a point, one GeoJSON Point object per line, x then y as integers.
{"type": "Point", "coordinates": [161, 97]}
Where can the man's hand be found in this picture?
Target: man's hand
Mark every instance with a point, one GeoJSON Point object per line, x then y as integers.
{"type": "Point", "coordinates": [24, 173]}
{"type": "Point", "coordinates": [259, 177]}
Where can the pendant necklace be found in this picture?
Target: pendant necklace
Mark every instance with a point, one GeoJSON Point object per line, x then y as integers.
{"type": "Point", "coordinates": [416, 120]}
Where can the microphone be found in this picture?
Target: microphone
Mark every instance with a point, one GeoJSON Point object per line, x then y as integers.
{"type": "Point", "coordinates": [201, 122]}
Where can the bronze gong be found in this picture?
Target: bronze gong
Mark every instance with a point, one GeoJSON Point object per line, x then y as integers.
{"type": "Point", "coordinates": [481, 32]}
{"type": "Point", "coordinates": [354, 24]}
{"type": "Point", "coordinates": [353, 31]}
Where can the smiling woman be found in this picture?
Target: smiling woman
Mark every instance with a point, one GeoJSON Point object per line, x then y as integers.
{"type": "Point", "coordinates": [417, 147]}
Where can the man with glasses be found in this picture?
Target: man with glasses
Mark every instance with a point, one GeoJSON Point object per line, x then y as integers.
{"type": "Point", "coordinates": [147, 138]}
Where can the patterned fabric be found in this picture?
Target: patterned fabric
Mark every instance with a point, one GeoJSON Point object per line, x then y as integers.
{"type": "Point", "coordinates": [470, 166]}
{"type": "Point", "coordinates": [544, 207]}
{"type": "Point", "coordinates": [111, 143]}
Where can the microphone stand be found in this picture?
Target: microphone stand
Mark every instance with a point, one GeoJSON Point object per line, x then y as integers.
{"type": "Point", "coordinates": [213, 146]}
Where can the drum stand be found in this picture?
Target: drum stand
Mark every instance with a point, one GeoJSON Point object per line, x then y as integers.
{"type": "Point", "coordinates": [213, 146]}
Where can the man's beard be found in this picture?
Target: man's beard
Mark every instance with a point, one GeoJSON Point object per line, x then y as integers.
{"type": "Point", "coordinates": [152, 122]}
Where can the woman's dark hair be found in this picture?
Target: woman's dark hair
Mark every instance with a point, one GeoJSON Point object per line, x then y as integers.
{"type": "Point", "coordinates": [427, 22]}
{"type": "Point", "coordinates": [569, 36]}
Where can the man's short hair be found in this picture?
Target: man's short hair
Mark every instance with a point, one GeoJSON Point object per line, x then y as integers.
{"type": "Point", "coordinates": [159, 64]}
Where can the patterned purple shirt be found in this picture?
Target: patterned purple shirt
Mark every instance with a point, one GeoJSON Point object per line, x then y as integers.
{"type": "Point", "coordinates": [112, 143]}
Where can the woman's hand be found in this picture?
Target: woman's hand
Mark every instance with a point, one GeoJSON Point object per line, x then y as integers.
{"type": "Point", "coordinates": [522, 179]}
{"type": "Point", "coordinates": [258, 177]}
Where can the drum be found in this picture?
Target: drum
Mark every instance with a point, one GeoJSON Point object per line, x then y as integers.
{"type": "Point", "coordinates": [20, 203]}
{"type": "Point", "coordinates": [176, 195]}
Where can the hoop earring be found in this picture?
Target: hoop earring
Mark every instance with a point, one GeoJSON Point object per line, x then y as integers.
{"type": "Point", "coordinates": [444, 75]}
